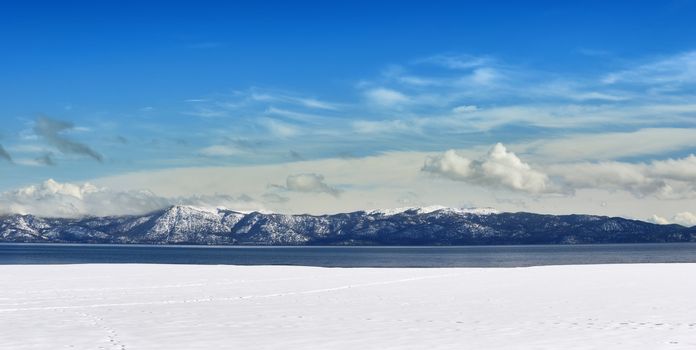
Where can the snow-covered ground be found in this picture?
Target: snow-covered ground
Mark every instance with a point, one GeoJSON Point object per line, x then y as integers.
{"type": "Point", "coordinates": [232, 307]}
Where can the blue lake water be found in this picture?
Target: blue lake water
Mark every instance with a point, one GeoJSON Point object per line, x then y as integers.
{"type": "Point", "coordinates": [469, 256]}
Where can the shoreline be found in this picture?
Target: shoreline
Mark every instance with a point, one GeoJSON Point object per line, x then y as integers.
{"type": "Point", "coordinates": [349, 257]}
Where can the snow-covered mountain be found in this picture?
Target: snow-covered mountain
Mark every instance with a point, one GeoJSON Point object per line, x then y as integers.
{"type": "Point", "coordinates": [404, 226]}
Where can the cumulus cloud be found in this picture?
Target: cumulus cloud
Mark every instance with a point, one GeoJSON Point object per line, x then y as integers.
{"type": "Point", "coordinates": [662, 179]}
{"type": "Point", "coordinates": [686, 218]}
{"type": "Point", "coordinates": [51, 131]}
{"type": "Point", "coordinates": [499, 168]}
{"type": "Point", "coordinates": [308, 183]}
{"type": "Point", "coordinates": [656, 219]}
{"type": "Point", "coordinates": [55, 199]}
{"type": "Point", "coordinates": [4, 154]}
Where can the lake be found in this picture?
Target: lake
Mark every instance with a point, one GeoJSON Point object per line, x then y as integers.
{"type": "Point", "coordinates": [468, 256]}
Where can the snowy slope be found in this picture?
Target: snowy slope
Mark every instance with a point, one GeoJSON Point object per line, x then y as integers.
{"type": "Point", "coordinates": [434, 225]}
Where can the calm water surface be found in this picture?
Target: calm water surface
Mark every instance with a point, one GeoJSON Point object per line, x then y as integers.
{"type": "Point", "coordinates": [478, 256]}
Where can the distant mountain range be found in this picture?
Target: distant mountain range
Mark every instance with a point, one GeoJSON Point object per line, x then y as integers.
{"type": "Point", "coordinates": [409, 226]}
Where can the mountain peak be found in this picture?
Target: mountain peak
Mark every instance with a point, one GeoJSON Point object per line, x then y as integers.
{"type": "Point", "coordinates": [432, 209]}
{"type": "Point", "coordinates": [432, 225]}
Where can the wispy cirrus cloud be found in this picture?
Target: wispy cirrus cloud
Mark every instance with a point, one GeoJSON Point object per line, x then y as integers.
{"type": "Point", "coordinates": [308, 102]}
{"type": "Point", "coordinates": [253, 99]}
{"type": "Point", "coordinates": [457, 61]}
{"type": "Point", "coordinates": [432, 103]}
{"type": "Point", "coordinates": [433, 100]}
{"type": "Point", "coordinates": [676, 70]}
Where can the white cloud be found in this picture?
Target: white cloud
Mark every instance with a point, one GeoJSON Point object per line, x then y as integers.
{"type": "Point", "coordinates": [386, 97]}
{"type": "Point", "coordinates": [566, 118]}
{"type": "Point", "coordinates": [656, 219]}
{"type": "Point", "coordinates": [384, 126]}
{"type": "Point", "coordinates": [686, 219]}
{"type": "Point", "coordinates": [220, 151]}
{"type": "Point", "coordinates": [70, 200]}
{"type": "Point", "coordinates": [611, 145]}
{"type": "Point", "coordinates": [457, 61]}
{"type": "Point", "coordinates": [664, 179]}
{"type": "Point", "coordinates": [307, 102]}
{"type": "Point", "coordinates": [55, 199]}
{"type": "Point", "coordinates": [314, 103]}
{"type": "Point", "coordinates": [594, 95]}
{"type": "Point", "coordinates": [485, 76]}
{"type": "Point", "coordinates": [607, 175]}
{"type": "Point", "coordinates": [207, 112]}
{"type": "Point", "coordinates": [297, 116]}
{"type": "Point", "coordinates": [516, 95]}
{"type": "Point", "coordinates": [308, 183]}
{"type": "Point", "coordinates": [418, 81]}
{"type": "Point", "coordinates": [465, 109]}
{"type": "Point", "coordinates": [678, 70]}
{"type": "Point", "coordinates": [380, 181]}
{"type": "Point", "coordinates": [252, 101]}
{"type": "Point", "coordinates": [569, 117]}
{"type": "Point", "coordinates": [683, 169]}
{"type": "Point", "coordinates": [280, 129]}
{"type": "Point", "coordinates": [499, 168]}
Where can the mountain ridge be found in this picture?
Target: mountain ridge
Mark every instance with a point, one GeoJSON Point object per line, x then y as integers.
{"type": "Point", "coordinates": [403, 226]}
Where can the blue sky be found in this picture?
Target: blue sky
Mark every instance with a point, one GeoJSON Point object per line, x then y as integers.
{"type": "Point", "coordinates": [101, 90]}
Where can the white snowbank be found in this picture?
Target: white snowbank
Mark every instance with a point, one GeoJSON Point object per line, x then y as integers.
{"type": "Point", "coordinates": [232, 307]}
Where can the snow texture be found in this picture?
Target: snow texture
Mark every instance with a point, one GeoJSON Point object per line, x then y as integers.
{"type": "Point", "coordinates": [149, 307]}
